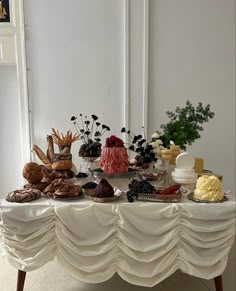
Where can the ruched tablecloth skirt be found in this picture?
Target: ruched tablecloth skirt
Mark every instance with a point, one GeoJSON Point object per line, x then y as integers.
{"type": "Point", "coordinates": [143, 242]}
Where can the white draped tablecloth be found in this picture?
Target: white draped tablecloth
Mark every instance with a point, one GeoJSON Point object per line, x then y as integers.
{"type": "Point", "coordinates": [144, 242]}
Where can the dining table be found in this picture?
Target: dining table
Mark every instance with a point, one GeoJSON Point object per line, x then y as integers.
{"type": "Point", "coordinates": [144, 242]}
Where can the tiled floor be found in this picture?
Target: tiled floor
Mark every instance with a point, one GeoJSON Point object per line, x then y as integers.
{"type": "Point", "coordinates": [52, 278]}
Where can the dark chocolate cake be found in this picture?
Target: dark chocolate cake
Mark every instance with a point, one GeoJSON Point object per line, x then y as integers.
{"type": "Point", "coordinates": [104, 189]}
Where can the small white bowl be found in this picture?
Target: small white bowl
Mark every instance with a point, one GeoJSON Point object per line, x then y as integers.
{"type": "Point", "coordinates": [184, 181]}
{"type": "Point", "coordinates": [184, 171]}
{"type": "Point", "coordinates": [184, 175]}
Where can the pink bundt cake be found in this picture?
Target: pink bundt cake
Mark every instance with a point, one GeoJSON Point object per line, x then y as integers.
{"type": "Point", "coordinates": [114, 156]}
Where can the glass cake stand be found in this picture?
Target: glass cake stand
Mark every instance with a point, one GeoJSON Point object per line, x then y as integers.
{"type": "Point", "coordinates": [88, 165]}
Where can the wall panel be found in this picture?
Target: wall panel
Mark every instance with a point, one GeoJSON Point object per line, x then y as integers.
{"type": "Point", "coordinates": [75, 62]}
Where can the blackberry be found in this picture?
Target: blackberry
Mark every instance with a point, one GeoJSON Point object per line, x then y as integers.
{"type": "Point", "coordinates": [81, 175]}
{"type": "Point", "coordinates": [89, 185]}
{"type": "Point", "coordinates": [136, 187]}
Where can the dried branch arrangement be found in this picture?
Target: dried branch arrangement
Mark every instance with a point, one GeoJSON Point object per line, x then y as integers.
{"type": "Point", "coordinates": [64, 139]}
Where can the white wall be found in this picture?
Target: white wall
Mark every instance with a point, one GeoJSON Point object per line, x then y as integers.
{"type": "Point", "coordinates": [10, 141]}
{"type": "Point", "coordinates": [192, 57]}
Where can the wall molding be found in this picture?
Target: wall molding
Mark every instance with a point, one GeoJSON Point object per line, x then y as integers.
{"type": "Point", "coordinates": [145, 62]}
{"type": "Point", "coordinates": [22, 82]}
{"type": "Point", "coordinates": [126, 103]}
{"type": "Point", "coordinates": [25, 114]}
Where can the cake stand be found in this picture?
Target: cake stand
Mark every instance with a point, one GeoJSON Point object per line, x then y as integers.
{"type": "Point", "coordinates": [89, 163]}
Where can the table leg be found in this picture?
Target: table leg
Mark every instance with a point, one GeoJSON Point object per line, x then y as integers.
{"type": "Point", "coordinates": [20, 280]}
{"type": "Point", "coordinates": [218, 283]}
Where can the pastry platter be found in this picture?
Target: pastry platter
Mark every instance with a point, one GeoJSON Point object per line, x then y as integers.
{"type": "Point", "coordinates": [99, 174]}
{"type": "Point", "coordinates": [117, 195]}
{"type": "Point", "coordinates": [191, 197]}
{"type": "Point", "coordinates": [64, 198]}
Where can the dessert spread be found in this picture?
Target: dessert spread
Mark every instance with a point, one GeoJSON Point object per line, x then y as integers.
{"type": "Point", "coordinates": [104, 189]}
{"type": "Point", "coordinates": [208, 188]}
{"type": "Point", "coordinates": [114, 156]}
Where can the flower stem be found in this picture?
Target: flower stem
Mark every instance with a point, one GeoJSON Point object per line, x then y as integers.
{"type": "Point", "coordinates": [92, 130]}
{"type": "Point", "coordinates": [77, 128]}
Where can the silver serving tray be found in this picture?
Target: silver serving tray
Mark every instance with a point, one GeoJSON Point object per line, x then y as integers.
{"type": "Point", "coordinates": [99, 174]}
{"type": "Point", "coordinates": [191, 197]}
{"type": "Point", "coordinates": [154, 198]}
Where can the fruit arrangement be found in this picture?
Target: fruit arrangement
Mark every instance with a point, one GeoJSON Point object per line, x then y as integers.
{"type": "Point", "coordinates": [143, 149]}
{"type": "Point", "coordinates": [91, 149]}
{"type": "Point", "coordinates": [90, 132]}
{"type": "Point", "coordinates": [137, 187]}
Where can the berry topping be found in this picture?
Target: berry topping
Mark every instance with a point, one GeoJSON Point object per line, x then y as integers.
{"type": "Point", "coordinates": [114, 141]}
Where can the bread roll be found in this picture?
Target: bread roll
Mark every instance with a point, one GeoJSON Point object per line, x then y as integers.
{"type": "Point", "coordinates": [32, 173]}
{"type": "Point", "coordinates": [62, 165]}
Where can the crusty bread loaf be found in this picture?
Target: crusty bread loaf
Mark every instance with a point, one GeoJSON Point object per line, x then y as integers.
{"type": "Point", "coordinates": [32, 172]}
{"type": "Point", "coordinates": [62, 165]}
{"type": "Point", "coordinates": [50, 150]}
{"type": "Point", "coordinates": [41, 155]}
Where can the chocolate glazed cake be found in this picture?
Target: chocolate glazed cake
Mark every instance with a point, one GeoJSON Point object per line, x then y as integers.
{"type": "Point", "coordinates": [104, 189]}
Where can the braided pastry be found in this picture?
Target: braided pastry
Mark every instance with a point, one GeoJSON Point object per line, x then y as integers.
{"type": "Point", "coordinates": [23, 195]}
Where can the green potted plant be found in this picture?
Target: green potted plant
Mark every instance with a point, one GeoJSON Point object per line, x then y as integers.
{"type": "Point", "coordinates": [185, 124]}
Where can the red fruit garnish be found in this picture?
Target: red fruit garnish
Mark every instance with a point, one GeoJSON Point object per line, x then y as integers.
{"type": "Point", "coordinates": [169, 190]}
